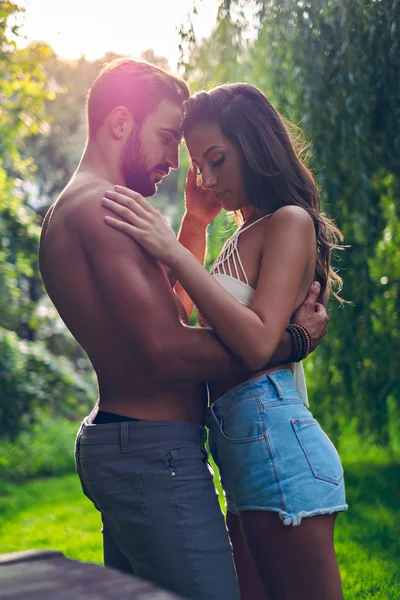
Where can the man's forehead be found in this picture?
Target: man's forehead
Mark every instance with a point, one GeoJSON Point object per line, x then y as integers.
{"type": "Point", "coordinates": [169, 115]}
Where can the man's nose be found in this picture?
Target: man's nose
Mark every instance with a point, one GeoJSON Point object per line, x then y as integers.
{"type": "Point", "coordinates": [173, 158]}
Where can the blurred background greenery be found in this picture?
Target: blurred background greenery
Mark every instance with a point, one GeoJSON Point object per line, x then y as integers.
{"type": "Point", "coordinates": [330, 66]}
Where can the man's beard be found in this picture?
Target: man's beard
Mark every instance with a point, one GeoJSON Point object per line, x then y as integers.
{"type": "Point", "coordinates": [134, 169]}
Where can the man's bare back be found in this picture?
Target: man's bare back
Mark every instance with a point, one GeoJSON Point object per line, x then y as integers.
{"type": "Point", "coordinates": [71, 268]}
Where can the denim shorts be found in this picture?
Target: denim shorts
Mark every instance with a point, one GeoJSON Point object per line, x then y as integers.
{"type": "Point", "coordinates": [272, 454]}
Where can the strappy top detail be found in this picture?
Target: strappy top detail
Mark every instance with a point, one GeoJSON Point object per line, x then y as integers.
{"type": "Point", "coordinates": [240, 290]}
{"type": "Point", "coordinates": [229, 262]}
{"type": "Point", "coordinates": [228, 270]}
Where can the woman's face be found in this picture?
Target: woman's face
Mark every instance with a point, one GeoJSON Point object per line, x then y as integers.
{"type": "Point", "coordinates": [218, 163]}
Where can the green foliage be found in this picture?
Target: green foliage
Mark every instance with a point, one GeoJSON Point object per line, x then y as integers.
{"type": "Point", "coordinates": [338, 68]}
{"type": "Point", "coordinates": [46, 449]}
{"type": "Point", "coordinates": [32, 378]}
{"type": "Point", "coordinates": [19, 276]}
{"type": "Point", "coordinates": [223, 53]}
{"type": "Point", "coordinates": [334, 68]}
{"type": "Point", "coordinates": [57, 148]}
{"type": "Point", "coordinates": [23, 93]}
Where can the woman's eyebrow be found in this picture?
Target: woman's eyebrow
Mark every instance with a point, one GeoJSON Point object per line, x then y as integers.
{"type": "Point", "coordinates": [209, 150]}
{"type": "Point", "coordinates": [206, 153]}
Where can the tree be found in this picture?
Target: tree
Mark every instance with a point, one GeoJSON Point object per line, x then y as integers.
{"type": "Point", "coordinates": [29, 375]}
{"type": "Point", "coordinates": [23, 93]}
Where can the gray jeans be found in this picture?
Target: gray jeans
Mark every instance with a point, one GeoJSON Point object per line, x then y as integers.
{"type": "Point", "coordinates": [161, 517]}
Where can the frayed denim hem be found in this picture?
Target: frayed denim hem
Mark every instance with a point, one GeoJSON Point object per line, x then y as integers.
{"type": "Point", "coordinates": [293, 519]}
{"type": "Point", "coordinates": [296, 519]}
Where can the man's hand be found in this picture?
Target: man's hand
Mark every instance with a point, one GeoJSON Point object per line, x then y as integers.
{"type": "Point", "coordinates": [313, 316]}
{"type": "Point", "coordinates": [181, 310]}
{"type": "Point", "coordinates": [171, 276]}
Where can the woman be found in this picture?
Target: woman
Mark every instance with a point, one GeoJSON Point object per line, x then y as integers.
{"type": "Point", "coordinates": [282, 476]}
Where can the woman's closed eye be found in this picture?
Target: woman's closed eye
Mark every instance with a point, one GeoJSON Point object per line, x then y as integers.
{"type": "Point", "coordinates": [214, 163]}
{"type": "Point", "coordinates": [219, 162]}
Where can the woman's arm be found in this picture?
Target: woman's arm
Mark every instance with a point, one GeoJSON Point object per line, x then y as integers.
{"type": "Point", "coordinates": [251, 333]}
{"type": "Point", "coordinates": [201, 209]}
{"type": "Point", "coordinates": [192, 236]}
{"type": "Point", "coordinates": [254, 333]}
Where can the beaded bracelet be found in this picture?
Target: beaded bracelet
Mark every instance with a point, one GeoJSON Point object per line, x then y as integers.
{"type": "Point", "coordinates": [295, 343]}
{"type": "Point", "coordinates": [301, 342]}
{"type": "Point", "coordinates": [307, 337]}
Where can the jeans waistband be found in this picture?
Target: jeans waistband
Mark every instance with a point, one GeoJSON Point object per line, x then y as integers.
{"type": "Point", "coordinates": [130, 432]}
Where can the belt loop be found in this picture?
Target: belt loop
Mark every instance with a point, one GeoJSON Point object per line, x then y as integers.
{"type": "Point", "coordinates": [274, 380]}
{"type": "Point", "coordinates": [125, 437]}
{"type": "Point", "coordinates": [203, 436]}
{"type": "Point", "coordinates": [92, 415]}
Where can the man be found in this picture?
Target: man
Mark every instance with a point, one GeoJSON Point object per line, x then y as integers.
{"type": "Point", "coordinates": [141, 459]}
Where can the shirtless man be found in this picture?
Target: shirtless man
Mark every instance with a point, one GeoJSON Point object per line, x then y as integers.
{"type": "Point", "coordinates": [141, 458]}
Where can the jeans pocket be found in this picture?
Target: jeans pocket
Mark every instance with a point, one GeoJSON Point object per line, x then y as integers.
{"type": "Point", "coordinates": [318, 449]}
{"type": "Point", "coordinates": [122, 501]}
{"type": "Point", "coordinates": [187, 459]}
{"type": "Point", "coordinates": [243, 422]}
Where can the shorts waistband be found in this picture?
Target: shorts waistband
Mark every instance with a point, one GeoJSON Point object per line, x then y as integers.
{"type": "Point", "coordinates": [140, 431]}
{"type": "Point", "coordinates": [274, 383]}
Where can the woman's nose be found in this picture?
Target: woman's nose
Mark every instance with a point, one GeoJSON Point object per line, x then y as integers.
{"type": "Point", "coordinates": [209, 181]}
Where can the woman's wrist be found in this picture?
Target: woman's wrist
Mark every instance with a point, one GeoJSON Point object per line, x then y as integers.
{"type": "Point", "coordinates": [179, 258]}
{"type": "Point", "coordinates": [195, 221]}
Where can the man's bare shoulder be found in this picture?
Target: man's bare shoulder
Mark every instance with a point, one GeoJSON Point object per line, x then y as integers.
{"type": "Point", "coordinates": [80, 202]}
{"type": "Point", "coordinates": [83, 218]}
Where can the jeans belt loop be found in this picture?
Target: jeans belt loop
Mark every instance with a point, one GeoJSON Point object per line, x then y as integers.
{"type": "Point", "coordinates": [274, 380]}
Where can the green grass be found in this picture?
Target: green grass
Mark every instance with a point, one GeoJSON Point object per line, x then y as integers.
{"type": "Point", "coordinates": [368, 535]}
{"type": "Point", "coordinates": [53, 513]}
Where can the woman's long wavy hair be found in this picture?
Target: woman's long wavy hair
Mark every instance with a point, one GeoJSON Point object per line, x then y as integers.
{"type": "Point", "coordinates": [274, 173]}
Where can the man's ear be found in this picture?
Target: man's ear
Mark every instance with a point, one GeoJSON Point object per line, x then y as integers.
{"type": "Point", "coordinates": [120, 122]}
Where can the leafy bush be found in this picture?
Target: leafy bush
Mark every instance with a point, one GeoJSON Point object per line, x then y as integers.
{"type": "Point", "coordinates": [31, 378]}
{"type": "Point", "coordinates": [47, 449]}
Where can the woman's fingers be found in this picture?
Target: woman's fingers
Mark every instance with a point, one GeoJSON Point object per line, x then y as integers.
{"type": "Point", "coordinates": [145, 204]}
{"type": "Point", "coordinates": [193, 180]}
{"type": "Point", "coordinates": [131, 230]}
{"type": "Point", "coordinates": [125, 207]}
{"type": "Point", "coordinates": [191, 176]}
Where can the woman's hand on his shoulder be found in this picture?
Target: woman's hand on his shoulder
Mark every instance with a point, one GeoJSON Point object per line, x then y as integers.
{"type": "Point", "coordinates": [141, 222]}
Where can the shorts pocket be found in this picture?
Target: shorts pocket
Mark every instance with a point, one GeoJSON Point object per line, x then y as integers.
{"type": "Point", "coordinates": [243, 422]}
{"type": "Point", "coordinates": [319, 451]}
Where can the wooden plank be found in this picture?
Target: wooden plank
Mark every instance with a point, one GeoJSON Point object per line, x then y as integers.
{"type": "Point", "coordinates": [27, 555]}
{"type": "Point", "coordinates": [49, 575]}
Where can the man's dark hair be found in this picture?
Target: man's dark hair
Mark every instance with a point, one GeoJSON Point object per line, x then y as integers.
{"type": "Point", "coordinates": [136, 85]}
